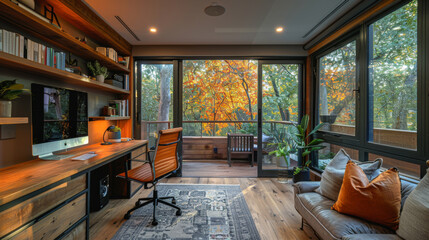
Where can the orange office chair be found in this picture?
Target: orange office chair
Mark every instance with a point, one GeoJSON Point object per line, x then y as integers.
{"type": "Point", "coordinates": [165, 162]}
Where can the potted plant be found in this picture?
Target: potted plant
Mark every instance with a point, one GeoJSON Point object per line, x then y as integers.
{"type": "Point", "coordinates": [9, 90]}
{"type": "Point", "coordinates": [303, 144]}
{"type": "Point", "coordinates": [115, 134]}
{"type": "Point", "coordinates": [282, 153]}
{"type": "Point", "coordinates": [98, 71]}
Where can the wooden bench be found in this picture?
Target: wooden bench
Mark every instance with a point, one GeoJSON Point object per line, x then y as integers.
{"type": "Point", "coordinates": [240, 143]}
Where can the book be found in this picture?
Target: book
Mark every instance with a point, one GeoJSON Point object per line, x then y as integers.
{"type": "Point", "coordinates": [43, 55]}
{"type": "Point", "coordinates": [16, 49]}
{"type": "Point", "coordinates": [21, 45]}
{"type": "Point", "coordinates": [1, 40]}
{"type": "Point", "coordinates": [35, 52]}
{"type": "Point", "coordinates": [101, 50]}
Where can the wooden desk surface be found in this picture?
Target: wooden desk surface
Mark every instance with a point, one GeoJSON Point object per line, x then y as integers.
{"type": "Point", "coordinates": [21, 179]}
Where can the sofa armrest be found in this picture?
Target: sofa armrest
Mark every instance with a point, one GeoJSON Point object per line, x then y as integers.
{"type": "Point", "coordinates": [305, 186]}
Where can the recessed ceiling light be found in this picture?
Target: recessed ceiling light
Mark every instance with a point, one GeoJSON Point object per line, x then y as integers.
{"type": "Point", "coordinates": [279, 29]}
{"type": "Point", "coordinates": [153, 30]}
{"type": "Point", "coordinates": [214, 10]}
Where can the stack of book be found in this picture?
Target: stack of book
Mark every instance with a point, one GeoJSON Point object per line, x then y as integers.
{"type": "Point", "coordinates": [108, 52]}
{"type": "Point", "coordinates": [18, 45]}
{"type": "Point", "coordinates": [120, 106]}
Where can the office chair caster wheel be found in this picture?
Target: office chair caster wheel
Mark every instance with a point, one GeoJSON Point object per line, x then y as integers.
{"type": "Point", "coordinates": [127, 216]}
{"type": "Point", "coordinates": [154, 223]}
{"type": "Point", "coordinates": [179, 213]}
{"type": "Point", "coordinates": [173, 201]}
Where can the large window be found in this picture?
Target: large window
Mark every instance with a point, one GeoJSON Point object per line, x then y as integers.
{"type": "Point", "coordinates": [219, 97]}
{"type": "Point", "coordinates": [376, 68]}
{"type": "Point", "coordinates": [337, 80]}
{"type": "Point", "coordinates": [393, 78]}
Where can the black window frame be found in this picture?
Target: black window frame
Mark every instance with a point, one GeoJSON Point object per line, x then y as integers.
{"type": "Point", "coordinates": [360, 141]}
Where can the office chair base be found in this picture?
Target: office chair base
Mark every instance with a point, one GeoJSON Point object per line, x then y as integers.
{"type": "Point", "coordinates": [141, 202]}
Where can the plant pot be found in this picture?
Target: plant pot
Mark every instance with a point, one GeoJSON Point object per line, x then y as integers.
{"type": "Point", "coordinates": [115, 136]}
{"type": "Point", "coordinates": [328, 118]}
{"type": "Point", "coordinates": [5, 108]}
{"type": "Point", "coordinates": [303, 175]}
{"type": "Point", "coordinates": [100, 78]}
{"type": "Point", "coordinates": [281, 162]}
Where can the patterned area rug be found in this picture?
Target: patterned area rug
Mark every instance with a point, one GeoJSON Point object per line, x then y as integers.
{"type": "Point", "coordinates": [208, 212]}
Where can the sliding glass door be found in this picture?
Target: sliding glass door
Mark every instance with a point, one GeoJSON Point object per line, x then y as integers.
{"type": "Point", "coordinates": [280, 94]}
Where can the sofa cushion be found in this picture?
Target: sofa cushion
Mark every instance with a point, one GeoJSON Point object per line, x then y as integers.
{"type": "Point", "coordinates": [414, 221]}
{"type": "Point", "coordinates": [378, 201]}
{"type": "Point", "coordinates": [332, 176]}
{"type": "Point", "coordinates": [372, 237]}
{"type": "Point", "coordinates": [330, 224]}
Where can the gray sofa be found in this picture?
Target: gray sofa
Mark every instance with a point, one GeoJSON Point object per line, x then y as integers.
{"type": "Point", "coordinates": [320, 221]}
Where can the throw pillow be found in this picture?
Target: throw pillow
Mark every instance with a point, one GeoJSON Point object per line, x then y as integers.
{"type": "Point", "coordinates": [414, 220]}
{"type": "Point", "coordinates": [378, 201]}
{"type": "Point", "coordinates": [332, 176]}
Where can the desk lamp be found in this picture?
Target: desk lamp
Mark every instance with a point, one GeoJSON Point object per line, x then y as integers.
{"type": "Point", "coordinates": [108, 129]}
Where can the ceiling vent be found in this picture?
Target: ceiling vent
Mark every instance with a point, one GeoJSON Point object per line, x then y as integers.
{"type": "Point", "coordinates": [214, 10]}
{"type": "Point", "coordinates": [128, 28]}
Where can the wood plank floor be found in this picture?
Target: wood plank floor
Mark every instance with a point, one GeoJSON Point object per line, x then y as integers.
{"type": "Point", "coordinates": [217, 168]}
{"type": "Point", "coordinates": [270, 203]}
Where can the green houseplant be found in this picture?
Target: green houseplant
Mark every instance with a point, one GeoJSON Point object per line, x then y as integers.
{"type": "Point", "coordinates": [98, 71]}
{"type": "Point", "coordinates": [302, 173]}
{"type": "Point", "coordinates": [9, 90]}
{"type": "Point", "coordinates": [283, 152]}
{"type": "Point", "coordinates": [115, 134]}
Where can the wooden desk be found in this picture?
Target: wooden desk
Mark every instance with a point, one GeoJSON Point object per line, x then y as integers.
{"type": "Point", "coordinates": [35, 191]}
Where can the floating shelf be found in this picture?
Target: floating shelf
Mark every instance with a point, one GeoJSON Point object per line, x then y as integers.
{"type": "Point", "coordinates": [45, 31]}
{"type": "Point", "coordinates": [28, 66]}
{"type": "Point", "coordinates": [82, 17]}
{"type": "Point", "coordinates": [96, 118]}
{"type": "Point", "coordinates": [13, 120]}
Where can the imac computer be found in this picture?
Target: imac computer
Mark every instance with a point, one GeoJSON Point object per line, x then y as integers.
{"type": "Point", "coordinates": [59, 120]}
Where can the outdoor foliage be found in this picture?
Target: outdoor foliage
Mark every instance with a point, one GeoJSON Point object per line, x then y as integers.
{"type": "Point", "coordinates": [392, 74]}
{"type": "Point", "coordinates": [224, 90]}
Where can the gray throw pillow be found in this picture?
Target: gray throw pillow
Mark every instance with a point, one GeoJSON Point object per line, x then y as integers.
{"type": "Point", "coordinates": [414, 220]}
{"type": "Point", "coordinates": [332, 176]}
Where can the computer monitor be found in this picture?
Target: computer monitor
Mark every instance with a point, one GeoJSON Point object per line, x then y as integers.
{"type": "Point", "coordinates": [59, 118]}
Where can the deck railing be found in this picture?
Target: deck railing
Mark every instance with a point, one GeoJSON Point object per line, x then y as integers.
{"type": "Point", "coordinates": [149, 129]}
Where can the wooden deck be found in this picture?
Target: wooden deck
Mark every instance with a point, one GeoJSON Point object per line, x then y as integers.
{"type": "Point", "coordinates": [218, 168]}
{"type": "Point", "coordinates": [270, 203]}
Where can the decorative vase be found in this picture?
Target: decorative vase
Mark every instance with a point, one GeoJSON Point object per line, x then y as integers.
{"type": "Point", "coordinates": [115, 136]}
{"type": "Point", "coordinates": [5, 108]}
{"type": "Point", "coordinates": [303, 175]}
{"type": "Point", "coordinates": [100, 78]}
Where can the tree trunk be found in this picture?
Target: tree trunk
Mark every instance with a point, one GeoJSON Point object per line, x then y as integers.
{"type": "Point", "coordinates": [400, 109]}
{"type": "Point", "coordinates": [276, 92]}
{"type": "Point", "coordinates": [165, 75]}
{"type": "Point", "coordinates": [323, 98]}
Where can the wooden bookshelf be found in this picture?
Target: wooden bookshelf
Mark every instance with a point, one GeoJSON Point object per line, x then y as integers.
{"type": "Point", "coordinates": [47, 32]}
{"type": "Point", "coordinates": [18, 63]}
{"type": "Point", "coordinates": [13, 120]}
{"type": "Point", "coordinates": [96, 118]}
{"type": "Point", "coordinates": [82, 17]}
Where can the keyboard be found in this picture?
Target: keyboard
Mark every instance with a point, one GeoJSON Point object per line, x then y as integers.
{"type": "Point", "coordinates": [85, 156]}
{"type": "Point", "coordinates": [55, 157]}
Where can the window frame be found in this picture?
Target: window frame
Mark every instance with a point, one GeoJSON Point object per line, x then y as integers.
{"type": "Point", "coordinates": [360, 141]}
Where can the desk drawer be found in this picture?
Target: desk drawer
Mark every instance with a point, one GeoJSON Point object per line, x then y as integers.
{"type": "Point", "coordinates": [57, 222]}
{"type": "Point", "coordinates": [139, 154]}
{"type": "Point", "coordinates": [79, 233]}
{"type": "Point", "coordinates": [28, 210]}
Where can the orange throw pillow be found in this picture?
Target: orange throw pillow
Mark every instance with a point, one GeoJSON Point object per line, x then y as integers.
{"type": "Point", "coordinates": [378, 201]}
